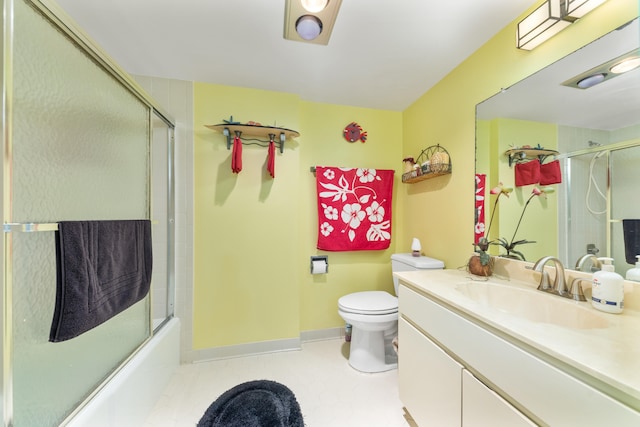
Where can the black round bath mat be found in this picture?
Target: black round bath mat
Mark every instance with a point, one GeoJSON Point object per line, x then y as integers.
{"type": "Point", "coordinates": [261, 403]}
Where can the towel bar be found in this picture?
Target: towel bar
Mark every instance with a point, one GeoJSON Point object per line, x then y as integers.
{"type": "Point", "coordinates": [28, 227]}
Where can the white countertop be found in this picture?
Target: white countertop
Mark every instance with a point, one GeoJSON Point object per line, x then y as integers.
{"type": "Point", "coordinates": [607, 357]}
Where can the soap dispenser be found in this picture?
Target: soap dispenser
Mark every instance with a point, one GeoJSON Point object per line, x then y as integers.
{"type": "Point", "coordinates": [607, 291]}
{"type": "Point", "coordinates": [634, 273]}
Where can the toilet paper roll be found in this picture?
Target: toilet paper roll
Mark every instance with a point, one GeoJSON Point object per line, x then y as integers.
{"type": "Point", "coordinates": [319, 267]}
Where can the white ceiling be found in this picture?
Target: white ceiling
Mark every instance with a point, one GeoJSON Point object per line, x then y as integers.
{"type": "Point", "coordinates": [382, 54]}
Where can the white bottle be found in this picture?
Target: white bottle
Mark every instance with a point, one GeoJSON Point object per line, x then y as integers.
{"type": "Point", "coordinates": [634, 273]}
{"type": "Point", "coordinates": [415, 247]}
{"type": "Point", "coordinates": [607, 291]}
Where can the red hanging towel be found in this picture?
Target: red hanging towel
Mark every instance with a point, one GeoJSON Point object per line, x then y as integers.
{"type": "Point", "coordinates": [550, 173]}
{"type": "Point", "coordinates": [236, 155]}
{"type": "Point", "coordinates": [527, 173]}
{"type": "Point", "coordinates": [271, 159]}
{"type": "Point", "coordinates": [354, 208]}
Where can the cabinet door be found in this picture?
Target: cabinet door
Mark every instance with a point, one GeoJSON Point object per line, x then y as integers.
{"type": "Point", "coordinates": [482, 407]}
{"type": "Point", "coordinates": [429, 380]}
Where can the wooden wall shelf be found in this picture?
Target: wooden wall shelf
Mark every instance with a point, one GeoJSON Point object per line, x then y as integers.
{"type": "Point", "coordinates": [264, 134]}
{"type": "Point", "coordinates": [519, 154]}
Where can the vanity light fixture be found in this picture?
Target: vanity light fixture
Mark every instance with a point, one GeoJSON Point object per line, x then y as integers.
{"type": "Point", "coordinates": [310, 21]}
{"type": "Point", "coordinates": [576, 9]}
{"type": "Point", "coordinates": [542, 24]}
{"type": "Point", "coordinates": [603, 72]}
{"type": "Point", "coordinates": [549, 19]}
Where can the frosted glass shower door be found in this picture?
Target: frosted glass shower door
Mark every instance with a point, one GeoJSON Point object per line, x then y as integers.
{"type": "Point", "coordinates": [79, 150]}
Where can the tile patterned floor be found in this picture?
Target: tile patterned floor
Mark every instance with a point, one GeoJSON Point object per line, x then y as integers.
{"type": "Point", "coordinates": [329, 391]}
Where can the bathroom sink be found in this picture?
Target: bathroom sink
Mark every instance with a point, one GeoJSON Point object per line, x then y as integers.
{"type": "Point", "coordinates": [533, 305]}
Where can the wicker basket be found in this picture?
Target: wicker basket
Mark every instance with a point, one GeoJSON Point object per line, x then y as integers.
{"type": "Point", "coordinates": [434, 161]}
{"type": "Point", "coordinates": [439, 161]}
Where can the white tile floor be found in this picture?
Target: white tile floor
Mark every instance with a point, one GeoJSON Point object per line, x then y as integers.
{"type": "Point", "coordinates": [329, 391]}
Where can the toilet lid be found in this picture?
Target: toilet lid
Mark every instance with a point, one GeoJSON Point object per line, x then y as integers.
{"type": "Point", "coordinates": [369, 302]}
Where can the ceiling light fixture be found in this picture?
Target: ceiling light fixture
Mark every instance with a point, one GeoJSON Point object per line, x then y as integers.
{"type": "Point", "coordinates": [549, 19]}
{"type": "Point", "coordinates": [626, 65]}
{"type": "Point", "coordinates": [310, 21]}
{"type": "Point", "coordinates": [308, 27]}
{"type": "Point", "coordinates": [604, 72]}
{"type": "Point", "coordinates": [591, 80]}
{"type": "Point", "coordinates": [314, 6]}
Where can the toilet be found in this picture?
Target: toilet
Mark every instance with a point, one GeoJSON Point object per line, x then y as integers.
{"type": "Point", "coordinates": [373, 316]}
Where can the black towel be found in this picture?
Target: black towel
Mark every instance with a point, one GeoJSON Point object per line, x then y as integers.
{"type": "Point", "coordinates": [261, 403]}
{"type": "Point", "coordinates": [103, 267]}
{"type": "Point", "coordinates": [631, 231]}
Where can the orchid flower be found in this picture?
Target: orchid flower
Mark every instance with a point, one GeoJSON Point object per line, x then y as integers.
{"type": "Point", "coordinates": [499, 190]}
{"type": "Point", "coordinates": [510, 245]}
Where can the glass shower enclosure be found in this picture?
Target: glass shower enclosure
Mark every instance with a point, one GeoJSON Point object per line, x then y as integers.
{"type": "Point", "coordinates": [601, 191]}
{"type": "Point", "coordinates": [81, 141]}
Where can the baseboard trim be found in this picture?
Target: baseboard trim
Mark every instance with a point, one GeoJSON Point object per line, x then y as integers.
{"type": "Point", "coordinates": [263, 347]}
{"type": "Point", "coordinates": [322, 334]}
{"type": "Point", "coordinates": [248, 349]}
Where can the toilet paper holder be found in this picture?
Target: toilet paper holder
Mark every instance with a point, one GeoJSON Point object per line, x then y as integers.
{"type": "Point", "coordinates": [319, 258]}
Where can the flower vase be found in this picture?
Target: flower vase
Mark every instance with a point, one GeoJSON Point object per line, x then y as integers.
{"type": "Point", "coordinates": [408, 166]}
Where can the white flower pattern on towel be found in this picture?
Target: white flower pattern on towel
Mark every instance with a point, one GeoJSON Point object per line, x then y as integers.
{"type": "Point", "coordinates": [364, 205]}
{"type": "Point", "coordinates": [326, 229]}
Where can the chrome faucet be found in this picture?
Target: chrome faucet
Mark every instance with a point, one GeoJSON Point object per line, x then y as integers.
{"type": "Point", "coordinates": [559, 285]}
{"type": "Point", "coordinates": [576, 292]}
{"type": "Point", "coordinates": [595, 263]}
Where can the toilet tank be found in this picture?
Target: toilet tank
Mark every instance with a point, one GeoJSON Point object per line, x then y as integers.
{"type": "Point", "coordinates": [408, 262]}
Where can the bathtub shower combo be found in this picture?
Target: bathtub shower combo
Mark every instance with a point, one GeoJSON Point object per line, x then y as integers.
{"type": "Point", "coordinates": [81, 142]}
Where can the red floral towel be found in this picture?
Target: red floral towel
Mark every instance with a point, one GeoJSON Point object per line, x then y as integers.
{"type": "Point", "coordinates": [480, 192]}
{"type": "Point", "coordinates": [354, 208]}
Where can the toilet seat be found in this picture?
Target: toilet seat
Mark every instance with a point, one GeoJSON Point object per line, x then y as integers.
{"type": "Point", "coordinates": [369, 303]}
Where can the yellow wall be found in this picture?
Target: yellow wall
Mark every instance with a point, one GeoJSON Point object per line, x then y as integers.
{"type": "Point", "coordinates": [254, 234]}
{"type": "Point", "coordinates": [441, 211]}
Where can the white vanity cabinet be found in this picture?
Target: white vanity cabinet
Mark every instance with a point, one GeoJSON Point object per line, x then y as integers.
{"type": "Point", "coordinates": [438, 391]}
{"type": "Point", "coordinates": [440, 349]}
{"type": "Point", "coordinates": [429, 380]}
{"type": "Point", "coordinates": [482, 407]}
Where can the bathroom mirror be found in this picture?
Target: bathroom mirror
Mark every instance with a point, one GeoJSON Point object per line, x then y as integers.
{"type": "Point", "coordinates": [597, 134]}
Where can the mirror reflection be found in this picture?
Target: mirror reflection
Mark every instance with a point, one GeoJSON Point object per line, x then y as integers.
{"type": "Point", "coordinates": [596, 134]}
